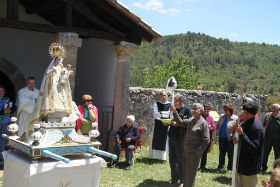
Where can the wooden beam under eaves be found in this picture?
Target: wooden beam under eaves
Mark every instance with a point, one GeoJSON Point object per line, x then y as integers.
{"type": "Point", "coordinates": [39, 6]}
{"type": "Point", "coordinates": [135, 29]}
{"type": "Point", "coordinates": [68, 14]}
{"type": "Point", "coordinates": [86, 33]}
{"type": "Point", "coordinates": [12, 9]}
{"type": "Point", "coordinates": [85, 11]}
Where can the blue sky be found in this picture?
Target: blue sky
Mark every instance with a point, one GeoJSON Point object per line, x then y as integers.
{"type": "Point", "coordinates": [238, 20]}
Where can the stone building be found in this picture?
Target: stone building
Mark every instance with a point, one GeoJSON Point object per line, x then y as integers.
{"type": "Point", "coordinates": [99, 36]}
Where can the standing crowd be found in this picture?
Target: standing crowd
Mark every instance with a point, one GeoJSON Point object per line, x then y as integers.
{"type": "Point", "coordinates": [187, 137]}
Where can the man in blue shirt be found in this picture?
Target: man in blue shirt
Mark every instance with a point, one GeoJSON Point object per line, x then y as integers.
{"type": "Point", "coordinates": [6, 109]}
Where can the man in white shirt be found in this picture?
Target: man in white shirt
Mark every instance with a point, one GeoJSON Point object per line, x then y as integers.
{"type": "Point", "coordinates": [27, 98]}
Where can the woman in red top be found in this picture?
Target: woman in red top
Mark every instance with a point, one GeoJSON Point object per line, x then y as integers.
{"type": "Point", "coordinates": [89, 115]}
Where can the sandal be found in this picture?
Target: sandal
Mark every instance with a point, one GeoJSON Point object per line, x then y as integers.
{"type": "Point", "coordinates": [172, 181]}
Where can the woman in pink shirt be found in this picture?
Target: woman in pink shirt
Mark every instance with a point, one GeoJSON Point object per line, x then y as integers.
{"type": "Point", "coordinates": [212, 127]}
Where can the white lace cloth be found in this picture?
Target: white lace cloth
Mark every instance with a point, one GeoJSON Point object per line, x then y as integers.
{"type": "Point", "coordinates": [83, 170]}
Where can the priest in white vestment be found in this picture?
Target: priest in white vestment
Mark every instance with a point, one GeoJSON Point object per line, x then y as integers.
{"type": "Point", "coordinates": [158, 147]}
{"type": "Point", "coordinates": [27, 98]}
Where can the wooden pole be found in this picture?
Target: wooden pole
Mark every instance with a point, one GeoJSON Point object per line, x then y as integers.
{"type": "Point", "coordinates": [234, 163]}
{"type": "Point", "coordinates": [243, 82]}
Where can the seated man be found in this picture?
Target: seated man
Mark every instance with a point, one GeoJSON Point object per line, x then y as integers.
{"type": "Point", "coordinates": [126, 137]}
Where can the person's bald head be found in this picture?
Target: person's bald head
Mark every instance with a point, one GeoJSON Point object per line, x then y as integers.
{"type": "Point", "coordinates": [178, 100]}
{"type": "Point", "coordinates": [163, 96]}
{"type": "Point", "coordinates": [275, 109]}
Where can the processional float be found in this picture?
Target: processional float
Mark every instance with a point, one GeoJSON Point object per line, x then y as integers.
{"type": "Point", "coordinates": [55, 138]}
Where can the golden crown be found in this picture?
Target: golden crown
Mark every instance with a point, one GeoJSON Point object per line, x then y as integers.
{"type": "Point", "coordinates": [56, 49]}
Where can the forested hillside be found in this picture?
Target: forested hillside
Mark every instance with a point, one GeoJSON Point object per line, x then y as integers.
{"type": "Point", "coordinates": [220, 62]}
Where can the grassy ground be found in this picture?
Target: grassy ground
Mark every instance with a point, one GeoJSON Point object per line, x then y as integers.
{"type": "Point", "coordinates": [147, 173]}
{"type": "Point", "coordinates": [156, 174]}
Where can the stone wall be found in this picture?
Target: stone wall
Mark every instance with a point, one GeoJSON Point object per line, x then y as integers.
{"type": "Point", "coordinates": [141, 103]}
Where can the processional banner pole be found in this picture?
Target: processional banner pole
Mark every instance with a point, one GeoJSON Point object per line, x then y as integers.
{"type": "Point", "coordinates": [235, 151]}
{"type": "Point", "coordinates": [171, 86]}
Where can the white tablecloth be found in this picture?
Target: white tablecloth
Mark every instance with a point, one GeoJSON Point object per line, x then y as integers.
{"type": "Point", "coordinates": [82, 171]}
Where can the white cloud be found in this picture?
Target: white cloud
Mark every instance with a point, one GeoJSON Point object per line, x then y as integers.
{"type": "Point", "coordinates": [150, 5]}
{"type": "Point", "coordinates": [233, 34]}
{"type": "Point", "coordinates": [158, 6]}
{"type": "Point", "coordinates": [188, 10]}
{"type": "Point", "coordinates": [171, 11]}
{"type": "Point", "coordinates": [182, 1]}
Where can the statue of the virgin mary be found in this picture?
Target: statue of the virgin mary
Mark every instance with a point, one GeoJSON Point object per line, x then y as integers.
{"type": "Point", "coordinates": [55, 98]}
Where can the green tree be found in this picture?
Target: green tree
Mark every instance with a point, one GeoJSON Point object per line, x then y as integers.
{"type": "Point", "coordinates": [218, 61]}
{"type": "Point", "coordinates": [180, 68]}
{"type": "Point", "coordinates": [231, 86]}
{"type": "Point", "coordinates": [270, 101]}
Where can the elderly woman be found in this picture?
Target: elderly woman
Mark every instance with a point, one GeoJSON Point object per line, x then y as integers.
{"type": "Point", "coordinates": [89, 114]}
{"type": "Point", "coordinates": [196, 140]}
{"type": "Point", "coordinates": [126, 137]}
{"type": "Point", "coordinates": [225, 127]}
{"type": "Point", "coordinates": [6, 109]}
{"type": "Point", "coordinates": [212, 127]}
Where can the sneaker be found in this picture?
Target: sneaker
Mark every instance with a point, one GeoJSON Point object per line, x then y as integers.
{"type": "Point", "coordinates": [203, 168]}
{"type": "Point", "coordinates": [264, 170]}
{"type": "Point", "coordinates": [128, 167]}
{"type": "Point", "coordinates": [114, 164]}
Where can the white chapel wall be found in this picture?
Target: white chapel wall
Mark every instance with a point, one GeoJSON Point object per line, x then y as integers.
{"type": "Point", "coordinates": [96, 68]}
{"type": "Point", "coordinates": [27, 50]}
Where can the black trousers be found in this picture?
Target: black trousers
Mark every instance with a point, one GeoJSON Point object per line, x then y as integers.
{"type": "Point", "coordinates": [268, 144]}
{"type": "Point", "coordinates": [225, 146]}
{"type": "Point", "coordinates": [129, 148]}
{"type": "Point", "coordinates": [176, 158]}
{"type": "Point", "coordinates": [203, 160]}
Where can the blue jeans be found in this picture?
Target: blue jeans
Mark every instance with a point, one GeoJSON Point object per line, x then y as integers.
{"type": "Point", "coordinates": [225, 146]}
{"type": "Point", "coordinates": [3, 130]}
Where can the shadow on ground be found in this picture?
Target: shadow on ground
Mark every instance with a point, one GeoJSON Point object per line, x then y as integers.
{"type": "Point", "coordinates": [122, 164]}
{"type": "Point", "coordinates": [212, 170]}
{"type": "Point", "coordinates": [223, 180]}
{"type": "Point", "coordinates": [149, 161]}
{"type": "Point", "coordinates": [155, 183]}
